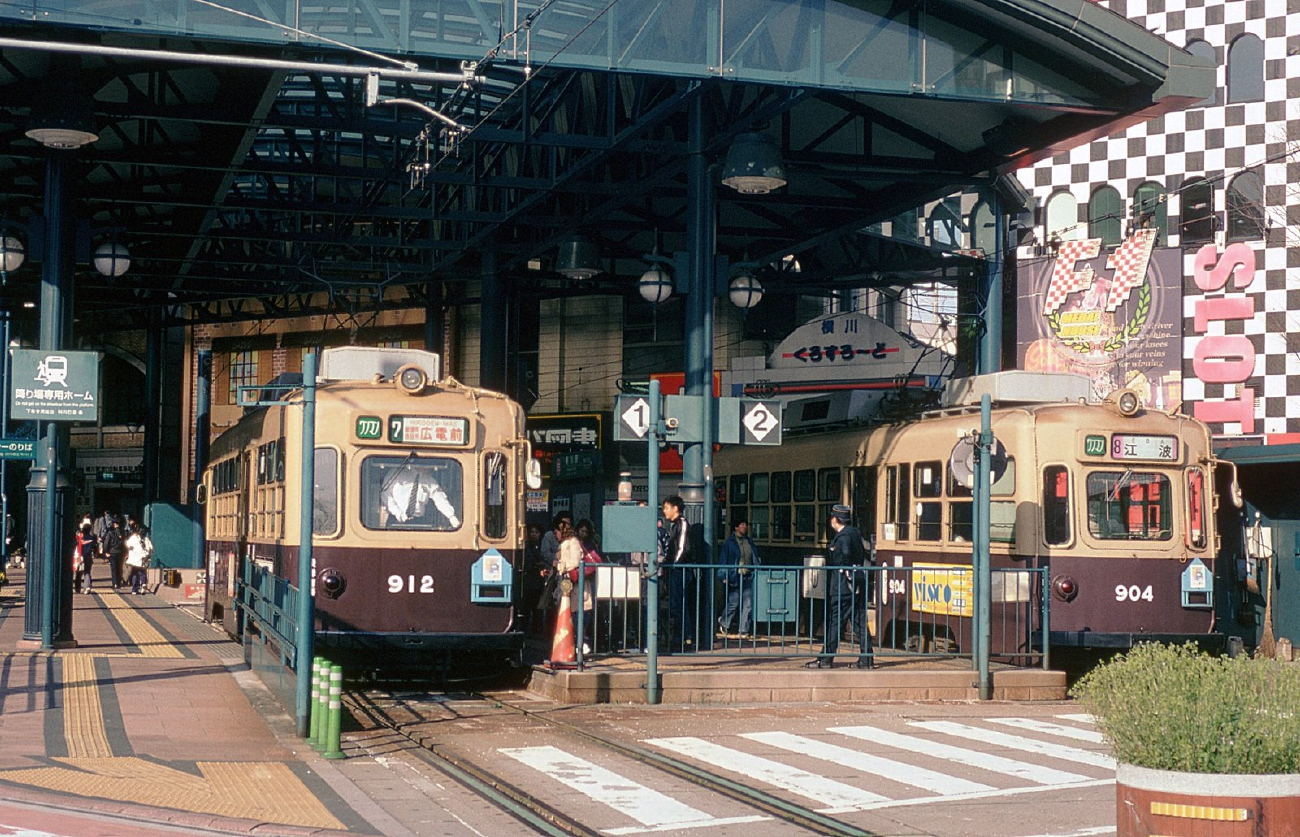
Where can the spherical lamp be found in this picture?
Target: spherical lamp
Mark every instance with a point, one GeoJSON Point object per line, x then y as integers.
{"type": "Point", "coordinates": [112, 259]}
{"type": "Point", "coordinates": [655, 285]}
{"type": "Point", "coordinates": [745, 291]}
{"type": "Point", "coordinates": [12, 253]}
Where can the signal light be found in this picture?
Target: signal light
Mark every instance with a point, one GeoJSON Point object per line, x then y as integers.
{"type": "Point", "coordinates": [1065, 588]}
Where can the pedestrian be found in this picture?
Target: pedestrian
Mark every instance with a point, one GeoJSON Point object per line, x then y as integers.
{"type": "Point", "coordinates": [113, 548]}
{"type": "Point", "coordinates": [550, 547]}
{"type": "Point", "coordinates": [102, 523]}
{"type": "Point", "coordinates": [139, 550]}
{"type": "Point", "coordinates": [567, 567]}
{"type": "Point", "coordinates": [590, 542]}
{"type": "Point", "coordinates": [740, 556]}
{"type": "Point", "coordinates": [83, 558]}
{"type": "Point", "coordinates": [847, 591]}
{"type": "Point", "coordinates": [681, 580]}
{"type": "Point", "coordinates": [535, 573]}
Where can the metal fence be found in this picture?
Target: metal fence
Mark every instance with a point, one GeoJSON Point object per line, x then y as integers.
{"type": "Point", "coordinates": [790, 611]}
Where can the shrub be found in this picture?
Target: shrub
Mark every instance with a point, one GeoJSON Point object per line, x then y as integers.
{"type": "Point", "coordinates": [1174, 708]}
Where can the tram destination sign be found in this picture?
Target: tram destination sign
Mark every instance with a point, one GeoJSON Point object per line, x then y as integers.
{"type": "Point", "coordinates": [17, 448]}
{"type": "Point", "coordinates": [54, 385]}
{"type": "Point", "coordinates": [1131, 446]}
{"type": "Point", "coordinates": [442, 431]}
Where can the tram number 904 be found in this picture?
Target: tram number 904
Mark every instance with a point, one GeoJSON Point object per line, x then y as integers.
{"type": "Point", "coordinates": [399, 584]}
{"type": "Point", "coordinates": [1133, 593]}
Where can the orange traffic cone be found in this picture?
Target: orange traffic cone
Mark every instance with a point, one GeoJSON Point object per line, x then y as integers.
{"type": "Point", "coordinates": [563, 653]}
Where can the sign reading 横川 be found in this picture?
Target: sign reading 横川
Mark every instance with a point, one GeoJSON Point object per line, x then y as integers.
{"type": "Point", "coordinates": [54, 385]}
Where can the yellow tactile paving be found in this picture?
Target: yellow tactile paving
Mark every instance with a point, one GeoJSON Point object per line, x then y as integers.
{"type": "Point", "coordinates": [265, 791]}
{"type": "Point", "coordinates": [143, 635]}
{"type": "Point", "coordinates": [83, 715]}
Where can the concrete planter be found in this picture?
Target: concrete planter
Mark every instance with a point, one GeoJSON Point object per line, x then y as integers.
{"type": "Point", "coordinates": [1176, 804]}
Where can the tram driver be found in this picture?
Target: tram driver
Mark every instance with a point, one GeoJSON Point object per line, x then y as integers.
{"type": "Point", "coordinates": [407, 495]}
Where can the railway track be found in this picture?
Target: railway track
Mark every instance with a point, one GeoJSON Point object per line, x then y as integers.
{"type": "Point", "coordinates": [417, 721]}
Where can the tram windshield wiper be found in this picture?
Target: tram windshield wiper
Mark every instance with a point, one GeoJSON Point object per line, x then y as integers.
{"type": "Point", "coordinates": [401, 466]}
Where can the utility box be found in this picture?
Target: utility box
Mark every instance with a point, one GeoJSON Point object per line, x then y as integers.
{"type": "Point", "coordinates": [776, 595]}
{"type": "Point", "coordinates": [174, 535]}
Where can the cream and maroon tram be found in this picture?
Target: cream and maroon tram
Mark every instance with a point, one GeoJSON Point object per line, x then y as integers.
{"type": "Point", "coordinates": [1114, 500]}
{"type": "Point", "coordinates": [418, 506]}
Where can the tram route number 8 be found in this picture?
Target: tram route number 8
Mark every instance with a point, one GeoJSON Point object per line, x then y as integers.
{"type": "Point", "coordinates": [398, 584]}
{"type": "Point", "coordinates": [1133, 593]}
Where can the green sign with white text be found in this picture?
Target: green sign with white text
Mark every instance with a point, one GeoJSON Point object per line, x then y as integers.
{"type": "Point", "coordinates": [54, 386]}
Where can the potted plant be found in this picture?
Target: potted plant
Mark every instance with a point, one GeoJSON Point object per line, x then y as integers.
{"type": "Point", "coordinates": [1202, 741]}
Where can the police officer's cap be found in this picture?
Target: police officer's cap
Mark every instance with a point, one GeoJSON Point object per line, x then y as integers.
{"type": "Point", "coordinates": [842, 513]}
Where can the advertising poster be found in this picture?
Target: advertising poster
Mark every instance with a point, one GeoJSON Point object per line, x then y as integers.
{"type": "Point", "coordinates": [1115, 317]}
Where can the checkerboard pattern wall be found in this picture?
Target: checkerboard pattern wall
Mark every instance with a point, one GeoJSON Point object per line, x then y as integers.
{"type": "Point", "coordinates": [1216, 142]}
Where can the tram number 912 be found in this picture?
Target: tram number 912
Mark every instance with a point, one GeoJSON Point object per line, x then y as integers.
{"type": "Point", "coordinates": [1133, 593]}
{"type": "Point", "coordinates": [407, 584]}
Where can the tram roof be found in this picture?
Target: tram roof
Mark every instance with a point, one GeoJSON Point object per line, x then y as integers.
{"type": "Point", "coordinates": [275, 182]}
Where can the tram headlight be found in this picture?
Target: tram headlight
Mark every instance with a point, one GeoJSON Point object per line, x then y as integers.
{"type": "Point", "coordinates": [1065, 588]}
{"type": "Point", "coordinates": [411, 379]}
{"type": "Point", "coordinates": [332, 582]}
{"type": "Point", "coordinates": [1128, 403]}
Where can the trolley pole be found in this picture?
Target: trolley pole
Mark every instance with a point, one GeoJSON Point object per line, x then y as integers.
{"type": "Point", "coordinates": [984, 571]}
{"type": "Point", "coordinates": [652, 560]}
{"type": "Point", "coordinates": [306, 605]}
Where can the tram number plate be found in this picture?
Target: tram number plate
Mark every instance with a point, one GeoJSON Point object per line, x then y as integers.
{"type": "Point", "coordinates": [410, 584]}
{"type": "Point", "coordinates": [428, 430]}
{"type": "Point", "coordinates": [1133, 593]}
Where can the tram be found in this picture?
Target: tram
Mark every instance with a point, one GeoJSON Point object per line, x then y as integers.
{"type": "Point", "coordinates": [418, 508]}
{"type": "Point", "coordinates": [1116, 501]}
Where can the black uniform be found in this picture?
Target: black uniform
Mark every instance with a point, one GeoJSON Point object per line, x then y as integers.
{"type": "Point", "coordinates": [846, 593]}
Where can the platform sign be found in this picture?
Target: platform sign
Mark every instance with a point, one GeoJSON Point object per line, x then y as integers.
{"type": "Point", "coordinates": [54, 386]}
{"type": "Point", "coordinates": [18, 449]}
{"type": "Point", "coordinates": [760, 422]}
{"type": "Point", "coordinates": [633, 413]}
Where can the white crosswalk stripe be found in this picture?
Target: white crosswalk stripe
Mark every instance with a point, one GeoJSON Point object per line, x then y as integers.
{"type": "Point", "coordinates": [1016, 742]}
{"type": "Point", "coordinates": [1083, 718]}
{"type": "Point", "coordinates": [837, 796]}
{"type": "Point", "coordinates": [1049, 728]}
{"type": "Point", "coordinates": [985, 761]}
{"type": "Point", "coordinates": [872, 765]}
{"type": "Point", "coordinates": [654, 810]}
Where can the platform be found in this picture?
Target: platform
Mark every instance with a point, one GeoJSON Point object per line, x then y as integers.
{"type": "Point", "coordinates": [154, 721]}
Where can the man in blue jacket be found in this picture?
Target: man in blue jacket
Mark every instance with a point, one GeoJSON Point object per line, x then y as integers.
{"type": "Point", "coordinates": [846, 590]}
{"type": "Point", "coordinates": [740, 556]}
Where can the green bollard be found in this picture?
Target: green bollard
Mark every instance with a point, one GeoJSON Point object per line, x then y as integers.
{"type": "Point", "coordinates": [322, 705]}
{"type": "Point", "coordinates": [313, 734]}
{"type": "Point", "coordinates": [334, 738]}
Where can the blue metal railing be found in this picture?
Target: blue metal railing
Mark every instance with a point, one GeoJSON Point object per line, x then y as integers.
{"type": "Point", "coordinates": [270, 603]}
{"type": "Point", "coordinates": [788, 611]}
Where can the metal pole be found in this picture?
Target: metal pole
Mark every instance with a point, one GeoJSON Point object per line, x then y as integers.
{"type": "Point", "coordinates": [990, 354]}
{"type": "Point", "coordinates": [652, 560]}
{"type": "Point", "coordinates": [306, 619]}
{"type": "Point", "coordinates": [699, 293]}
{"type": "Point", "coordinates": [202, 433]}
{"type": "Point", "coordinates": [984, 577]}
{"type": "Point", "coordinates": [492, 326]}
{"type": "Point", "coordinates": [6, 318]}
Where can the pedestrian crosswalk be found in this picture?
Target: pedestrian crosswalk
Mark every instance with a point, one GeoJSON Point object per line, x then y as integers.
{"type": "Point", "coordinates": [843, 769]}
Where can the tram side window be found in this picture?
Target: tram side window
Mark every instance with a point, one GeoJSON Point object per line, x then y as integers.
{"type": "Point", "coordinates": [420, 493]}
{"type": "Point", "coordinates": [1056, 505]}
{"type": "Point", "coordinates": [1196, 536]}
{"type": "Point", "coordinates": [1128, 506]}
{"type": "Point", "coordinates": [805, 513]}
{"type": "Point", "coordinates": [928, 479]}
{"type": "Point", "coordinates": [325, 499]}
{"type": "Point", "coordinates": [759, 522]}
{"type": "Point", "coordinates": [738, 491]}
{"type": "Point", "coordinates": [758, 493]}
{"type": "Point", "coordinates": [494, 494]}
{"type": "Point", "coordinates": [898, 501]}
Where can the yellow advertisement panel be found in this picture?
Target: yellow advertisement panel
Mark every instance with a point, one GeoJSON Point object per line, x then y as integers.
{"type": "Point", "coordinates": [943, 589]}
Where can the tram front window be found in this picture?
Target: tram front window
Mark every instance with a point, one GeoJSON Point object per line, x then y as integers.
{"type": "Point", "coordinates": [1126, 505]}
{"type": "Point", "coordinates": [411, 493]}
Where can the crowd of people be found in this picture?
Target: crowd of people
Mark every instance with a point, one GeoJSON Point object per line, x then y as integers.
{"type": "Point", "coordinates": [553, 559]}
{"type": "Point", "coordinates": [119, 544]}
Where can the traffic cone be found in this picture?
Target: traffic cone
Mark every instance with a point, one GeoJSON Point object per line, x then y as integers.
{"type": "Point", "coordinates": [563, 653]}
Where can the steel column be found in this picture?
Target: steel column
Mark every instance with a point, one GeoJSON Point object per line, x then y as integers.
{"type": "Point", "coordinates": [306, 616]}
{"type": "Point", "coordinates": [699, 298]}
{"type": "Point", "coordinates": [990, 348]}
{"type": "Point", "coordinates": [492, 326]}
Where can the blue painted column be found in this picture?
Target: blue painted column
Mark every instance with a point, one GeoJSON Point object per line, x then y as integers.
{"type": "Point", "coordinates": [47, 617]}
{"type": "Point", "coordinates": [990, 348]}
{"type": "Point", "coordinates": [305, 619]}
{"type": "Point", "coordinates": [699, 303]}
{"type": "Point", "coordinates": [202, 434]}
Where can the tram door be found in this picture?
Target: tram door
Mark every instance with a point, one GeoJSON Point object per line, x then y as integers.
{"type": "Point", "coordinates": [862, 497]}
{"type": "Point", "coordinates": [1285, 591]}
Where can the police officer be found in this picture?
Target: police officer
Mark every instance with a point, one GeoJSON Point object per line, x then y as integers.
{"type": "Point", "coordinates": [843, 567]}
